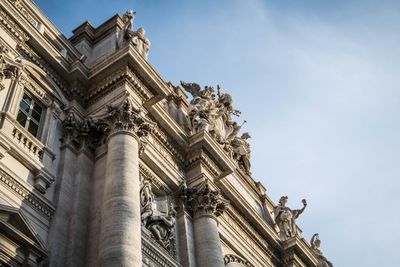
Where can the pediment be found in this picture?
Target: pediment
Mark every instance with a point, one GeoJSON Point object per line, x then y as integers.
{"type": "Point", "coordinates": [14, 220]}
{"type": "Point", "coordinates": [44, 81]}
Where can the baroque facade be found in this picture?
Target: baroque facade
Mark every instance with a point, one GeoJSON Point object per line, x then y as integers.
{"type": "Point", "coordinates": [103, 163]}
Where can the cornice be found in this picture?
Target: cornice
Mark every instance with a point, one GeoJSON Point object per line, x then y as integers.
{"type": "Point", "coordinates": [26, 195]}
{"type": "Point", "coordinates": [298, 248]}
{"type": "Point", "coordinates": [234, 219]}
{"type": "Point", "coordinates": [148, 175]}
{"type": "Point", "coordinates": [10, 26]}
{"type": "Point", "coordinates": [123, 74]}
{"type": "Point", "coordinates": [41, 63]}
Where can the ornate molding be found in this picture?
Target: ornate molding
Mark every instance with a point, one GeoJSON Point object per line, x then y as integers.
{"type": "Point", "coordinates": [10, 26]}
{"type": "Point", "coordinates": [207, 161]}
{"type": "Point", "coordinates": [154, 255]}
{"type": "Point", "coordinates": [123, 74]}
{"type": "Point", "coordinates": [25, 13]}
{"type": "Point", "coordinates": [146, 174]}
{"type": "Point", "coordinates": [234, 258]}
{"type": "Point", "coordinates": [33, 57]}
{"type": "Point", "coordinates": [26, 195]}
{"type": "Point", "coordinates": [246, 231]}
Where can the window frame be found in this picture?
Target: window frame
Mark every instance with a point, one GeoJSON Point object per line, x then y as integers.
{"type": "Point", "coordinates": [29, 117]}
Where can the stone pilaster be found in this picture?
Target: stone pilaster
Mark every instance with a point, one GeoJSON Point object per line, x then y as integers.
{"type": "Point", "coordinates": [120, 237]}
{"type": "Point", "coordinates": [207, 205]}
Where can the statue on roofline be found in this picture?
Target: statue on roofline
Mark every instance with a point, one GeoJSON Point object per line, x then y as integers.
{"type": "Point", "coordinates": [137, 38]}
{"type": "Point", "coordinates": [213, 113]}
{"type": "Point", "coordinates": [322, 260]}
{"type": "Point", "coordinates": [285, 218]}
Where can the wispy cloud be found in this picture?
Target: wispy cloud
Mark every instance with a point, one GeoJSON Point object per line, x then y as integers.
{"type": "Point", "coordinates": [318, 83]}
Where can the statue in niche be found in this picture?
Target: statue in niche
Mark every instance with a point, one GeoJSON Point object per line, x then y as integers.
{"type": "Point", "coordinates": [322, 260]}
{"type": "Point", "coordinates": [285, 218]}
{"type": "Point", "coordinates": [146, 202]}
{"type": "Point", "coordinates": [160, 224]}
{"type": "Point", "coordinates": [162, 228]}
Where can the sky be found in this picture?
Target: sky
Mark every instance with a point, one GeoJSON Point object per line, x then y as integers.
{"type": "Point", "coordinates": [317, 83]}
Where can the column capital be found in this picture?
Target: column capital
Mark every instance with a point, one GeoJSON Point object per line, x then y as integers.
{"type": "Point", "coordinates": [120, 117]}
{"type": "Point", "coordinates": [204, 201]}
{"type": "Point", "coordinates": [123, 116]}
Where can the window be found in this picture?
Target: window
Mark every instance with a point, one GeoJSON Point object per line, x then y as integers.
{"type": "Point", "coordinates": [31, 114]}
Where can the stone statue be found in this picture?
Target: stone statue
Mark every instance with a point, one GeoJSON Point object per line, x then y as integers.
{"type": "Point", "coordinates": [141, 42]}
{"type": "Point", "coordinates": [322, 260]}
{"type": "Point", "coordinates": [241, 152]}
{"type": "Point", "coordinates": [162, 227]}
{"type": "Point", "coordinates": [211, 114]}
{"type": "Point", "coordinates": [128, 19]}
{"type": "Point", "coordinates": [146, 202]}
{"type": "Point", "coordinates": [137, 38]}
{"type": "Point", "coordinates": [285, 218]}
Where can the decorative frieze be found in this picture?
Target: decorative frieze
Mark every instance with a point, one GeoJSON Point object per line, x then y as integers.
{"type": "Point", "coordinates": [25, 13]}
{"type": "Point", "coordinates": [10, 26]}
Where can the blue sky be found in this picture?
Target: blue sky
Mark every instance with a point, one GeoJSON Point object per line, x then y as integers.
{"type": "Point", "coordinates": [318, 83]}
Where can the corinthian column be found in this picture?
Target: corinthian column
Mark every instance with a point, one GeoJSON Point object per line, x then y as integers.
{"type": "Point", "coordinates": [120, 237]}
{"type": "Point", "coordinates": [207, 205]}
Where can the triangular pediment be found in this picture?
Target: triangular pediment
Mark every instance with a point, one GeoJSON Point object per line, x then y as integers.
{"type": "Point", "coordinates": [14, 219]}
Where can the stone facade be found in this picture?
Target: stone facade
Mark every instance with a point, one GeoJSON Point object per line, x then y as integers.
{"type": "Point", "coordinates": [103, 163]}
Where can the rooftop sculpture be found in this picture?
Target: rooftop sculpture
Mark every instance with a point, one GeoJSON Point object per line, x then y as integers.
{"type": "Point", "coordinates": [213, 114]}
{"type": "Point", "coordinates": [285, 218]}
{"type": "Point", "coordinates": [322, 260]}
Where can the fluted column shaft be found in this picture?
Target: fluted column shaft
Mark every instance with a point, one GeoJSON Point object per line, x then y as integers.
{"type": "Point", "coordinates": [120, 242]}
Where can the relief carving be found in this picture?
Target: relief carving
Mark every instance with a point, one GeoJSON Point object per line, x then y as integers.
{"type": "Point", "coordinates": [160, 224]}
{"type": "Point", "coordinates": [285, 218]}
